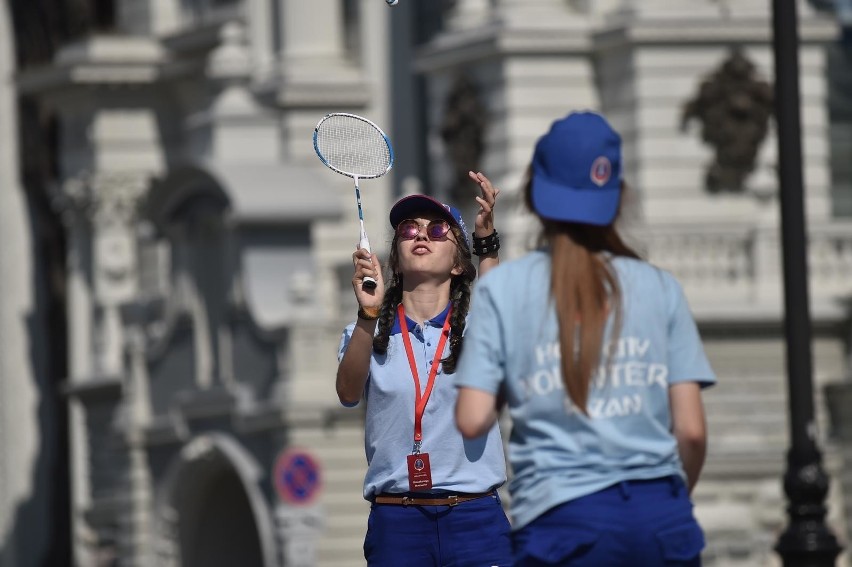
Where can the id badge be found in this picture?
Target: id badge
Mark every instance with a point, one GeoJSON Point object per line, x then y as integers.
{"type": "Point", "coordinates": [419, 472]}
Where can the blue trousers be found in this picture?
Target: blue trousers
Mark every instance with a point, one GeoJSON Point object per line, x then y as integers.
{"type": "Point", "coordinates": [475, 533]}
{"type": "Point", "coordinates": [631, 524]}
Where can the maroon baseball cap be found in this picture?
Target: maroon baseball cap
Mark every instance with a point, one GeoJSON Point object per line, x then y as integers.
{"type": "Point", "coordinates": [409, 206]}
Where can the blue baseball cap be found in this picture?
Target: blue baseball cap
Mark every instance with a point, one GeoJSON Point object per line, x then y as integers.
{"type": "Point", "coordinates": [576, 170]}
{"type": "Point", "coordinates": [409, 206]}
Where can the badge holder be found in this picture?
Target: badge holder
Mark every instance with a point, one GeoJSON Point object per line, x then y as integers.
{"type": "Point", "coordinates": [419, 470]}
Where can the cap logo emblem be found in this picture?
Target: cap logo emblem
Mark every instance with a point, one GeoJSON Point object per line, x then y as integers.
{"type": "Point", "coordinates": [601, 171]}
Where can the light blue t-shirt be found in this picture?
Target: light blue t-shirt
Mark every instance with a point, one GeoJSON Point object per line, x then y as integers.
{"type": "Point", "coordinates": [458, 465]}
{"type": "Point", "coordinates": [558, 454]}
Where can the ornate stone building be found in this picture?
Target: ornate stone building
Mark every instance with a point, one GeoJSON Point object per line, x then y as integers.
{"type": "Point", "coordinates": [186, 243]}
{"type": "Point", "coordinates": [174, 260]}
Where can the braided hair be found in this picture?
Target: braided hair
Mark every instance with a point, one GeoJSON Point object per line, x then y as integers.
{"type": "Point", "coordinates": [460, 291]}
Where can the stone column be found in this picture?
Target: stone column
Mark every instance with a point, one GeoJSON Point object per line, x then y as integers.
{"type": "Point", "coordinates": [71, 201]}
{"type": "Point", "coordinates": [312, 34]}
{"type": "Point", "coordinates": [112, 140]}
{"type": "Point", "coordinates": [100, 215]}
{"type": "Point", "coordinates": [240, 130]}
{"type": "Point", "coordinates": [261, 25]}
{"type": "Point", "coordinates": [115, 270]}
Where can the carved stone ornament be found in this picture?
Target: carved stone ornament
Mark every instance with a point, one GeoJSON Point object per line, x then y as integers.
{"type": "Point", "coordinates": [104, 199]}
{"type": "Point", "coordinates": [71, 200]}
{"type": "Point", "coordinates": [463, 132]}
{"type": "Point", "coordinates": [734, 107]}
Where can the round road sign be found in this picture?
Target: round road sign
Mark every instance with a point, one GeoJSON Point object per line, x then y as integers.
{"type": "Point", "coordinates": [296, 476]}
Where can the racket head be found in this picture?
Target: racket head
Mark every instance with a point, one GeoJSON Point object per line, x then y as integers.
{"type": "Point", "coordinates": [353, 146]}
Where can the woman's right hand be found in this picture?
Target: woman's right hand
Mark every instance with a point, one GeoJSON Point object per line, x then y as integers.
{"type": "Point", "coordinates": [367, 264]}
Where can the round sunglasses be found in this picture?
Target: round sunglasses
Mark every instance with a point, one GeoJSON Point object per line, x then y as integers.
{"type": "Point", "coordinates": [410, 228]}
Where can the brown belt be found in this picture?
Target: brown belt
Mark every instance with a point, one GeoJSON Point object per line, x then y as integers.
{"type": "Point", "coordinates": [451, 500]}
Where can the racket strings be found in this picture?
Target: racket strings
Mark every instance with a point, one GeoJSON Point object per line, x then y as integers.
{"type": "Point", "coordinates": [353, 146]}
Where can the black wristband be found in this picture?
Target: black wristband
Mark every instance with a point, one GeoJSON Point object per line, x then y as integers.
{"type": "Point", "coordinates": [486, 245]}
{"type": "Point", "coordinates": [367, 316]}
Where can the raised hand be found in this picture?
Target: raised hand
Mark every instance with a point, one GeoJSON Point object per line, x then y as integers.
{"type": "Point", "coordinates": [367, 264]}
{"type": "Point", "coordinates": [487, 198]}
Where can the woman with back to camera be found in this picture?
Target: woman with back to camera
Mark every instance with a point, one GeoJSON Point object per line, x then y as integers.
{"type": "Point", "coordinates": [601, 364]}
{"type": "Point", "coordinates": [433, 493]}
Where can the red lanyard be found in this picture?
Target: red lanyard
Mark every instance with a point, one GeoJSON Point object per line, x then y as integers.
{"type": "Point", "coordinates": [421, 401]}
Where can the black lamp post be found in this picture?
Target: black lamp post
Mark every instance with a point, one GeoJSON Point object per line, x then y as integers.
{"type": "Point", "coordinates": [807, 541]}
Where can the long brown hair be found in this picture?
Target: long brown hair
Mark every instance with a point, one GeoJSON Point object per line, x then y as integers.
{"type": "Point", "coordinates": [585, 291]}
{"type": "Point", "coordinates": [460, 289]}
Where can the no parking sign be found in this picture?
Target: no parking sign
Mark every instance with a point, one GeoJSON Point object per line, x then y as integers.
{"type": "Point", "coordinates": [296, 477]}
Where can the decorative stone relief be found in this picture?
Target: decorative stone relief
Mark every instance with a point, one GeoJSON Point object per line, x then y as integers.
{"type": "Point", "coordinates": [72, 200]}
{"type": "Point", "coordinates": [734, 107]}
{"type": "Point", "coordinates": [103, 199]}
{"type": "Point", "coordinates": [118, 195]}
{"type": "Point", "coordinates": [100, 211]}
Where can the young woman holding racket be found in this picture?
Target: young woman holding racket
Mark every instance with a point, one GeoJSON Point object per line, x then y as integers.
{"type": "Point", "coordinates": [433, 493]}
{"type": "Point", "coordinates": [601, 364]}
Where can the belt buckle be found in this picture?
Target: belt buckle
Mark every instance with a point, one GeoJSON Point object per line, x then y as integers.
{"type": "Point", "coordinates": [454, 499]}
{"type": "Point", "coordinates": [407, 500]}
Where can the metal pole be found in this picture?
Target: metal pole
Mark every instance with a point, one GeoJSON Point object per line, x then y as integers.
{"type": "Point", "coordinates": [807, 541]}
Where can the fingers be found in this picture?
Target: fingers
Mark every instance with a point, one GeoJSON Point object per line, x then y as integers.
{"type": "Point", "coordinates": [366, 265]}
{"type": "Point", "coordinates": [363, 262]}
{"type": "Point", "coordinates": [485, 205]}
{"type": "Point", "coordinates": [488, 191]}
{"type": "Point", "coordinates": [377, 264]}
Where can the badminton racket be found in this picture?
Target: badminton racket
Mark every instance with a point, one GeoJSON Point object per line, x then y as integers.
{"type": "Point", "coordinates": [355, 147]}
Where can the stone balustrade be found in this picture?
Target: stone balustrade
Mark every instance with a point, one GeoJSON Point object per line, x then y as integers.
{"type": "Point", "coordinates": [741, 264]}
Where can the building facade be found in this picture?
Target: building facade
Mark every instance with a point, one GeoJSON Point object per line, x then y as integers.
{"type": "Point", "coordinates": [175, 260]}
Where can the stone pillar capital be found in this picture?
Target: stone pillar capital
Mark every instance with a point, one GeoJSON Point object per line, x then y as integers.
{"type": "Point", "coordinates": [72, 200]}
{"type": "Point", "coordinates": [102, 200]}
{"type": "Point", "coordinates": [118, 196]}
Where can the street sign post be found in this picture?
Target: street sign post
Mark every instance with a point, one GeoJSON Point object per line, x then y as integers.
{"type": "Point", "coordinates": [297, 480]}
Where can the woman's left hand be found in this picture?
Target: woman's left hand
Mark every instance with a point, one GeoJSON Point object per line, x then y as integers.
{"type": "Point", "coordinates": [487, 199]}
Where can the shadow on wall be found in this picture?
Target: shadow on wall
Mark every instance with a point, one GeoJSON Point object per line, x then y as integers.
{"type": "Point", "coordinates": [39, 532]}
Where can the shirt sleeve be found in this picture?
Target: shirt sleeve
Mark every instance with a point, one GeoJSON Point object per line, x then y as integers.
{"type": "Point", "coordinates": [483, 360]}
{"type": "Point", "coordinates": [687, 360]}
{"type": "Point", "coordinates": [341, 350]}
{"type": "Point", "coordinates": [344, 340]}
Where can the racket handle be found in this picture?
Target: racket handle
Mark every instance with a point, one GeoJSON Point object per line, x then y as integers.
{"type": "Point", "coordinates": [368, 283]}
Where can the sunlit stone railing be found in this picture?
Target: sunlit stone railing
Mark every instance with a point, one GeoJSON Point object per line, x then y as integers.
{"type": "Point", "coordinates": [740, 264]}
{"type": "Point", "coordinates": [830, 255]}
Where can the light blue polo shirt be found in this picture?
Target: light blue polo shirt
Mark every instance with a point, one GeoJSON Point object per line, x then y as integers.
{"type": "Point", "coordinates": [458, 465]}
{"type": "Point", "coordinates": [558, 454]}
